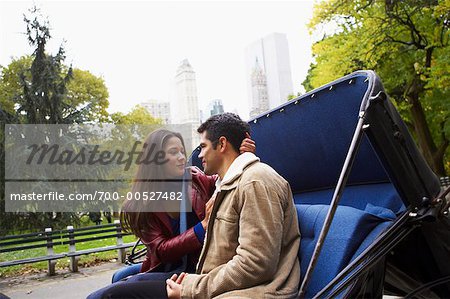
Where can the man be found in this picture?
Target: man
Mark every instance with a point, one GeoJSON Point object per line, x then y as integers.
{"type": "Point", "coordinates": [252, 239]}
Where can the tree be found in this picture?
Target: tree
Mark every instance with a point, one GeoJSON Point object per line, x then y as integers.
{"type": "Point", "coordinates": [83, 90]}
{"type": "Point", "coordinates": [137, 116]}
{"type": "Point", "coordinates": [293, 96]}
{"type": "Point", "coordinates": [133, 126]}
{"type": "Point", "coordinates": [40, 89]}
{"type": "Point", "coordinates": [407, 44]}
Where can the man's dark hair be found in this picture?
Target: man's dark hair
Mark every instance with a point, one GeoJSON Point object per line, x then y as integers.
{"type": "Point", "coordinates": [228, 125]}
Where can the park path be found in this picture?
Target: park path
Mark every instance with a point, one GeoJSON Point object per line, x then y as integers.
{"type": "Point", "coordinates": [65, 284]}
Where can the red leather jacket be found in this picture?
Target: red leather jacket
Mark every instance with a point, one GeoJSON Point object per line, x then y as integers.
{"type": "Point", "coordinates": [162, 245]}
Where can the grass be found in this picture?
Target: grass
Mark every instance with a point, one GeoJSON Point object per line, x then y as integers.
{"type": "Point", "coordinates": [62, 264]}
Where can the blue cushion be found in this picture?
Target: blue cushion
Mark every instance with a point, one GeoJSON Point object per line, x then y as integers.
{"type": "Point", "coordinates": [382, 213]}
{"type": "Point", "coordinates": [350, 229]}
{"type": "Point", "coordinates": [381, 195]}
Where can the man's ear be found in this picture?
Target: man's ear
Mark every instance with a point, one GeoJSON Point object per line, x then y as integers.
{"type": "Point", "coordinates": [222, 144]}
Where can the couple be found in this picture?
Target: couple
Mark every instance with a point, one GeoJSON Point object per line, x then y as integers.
{"type": "Point", "coordinates": [247, 232]}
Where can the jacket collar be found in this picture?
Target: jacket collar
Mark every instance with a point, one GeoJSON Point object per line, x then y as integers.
{"type": "Point", "coordinates": [235, 171]}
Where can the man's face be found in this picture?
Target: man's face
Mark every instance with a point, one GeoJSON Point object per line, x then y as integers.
{"type": "Point", "coordinates": [210, 157]}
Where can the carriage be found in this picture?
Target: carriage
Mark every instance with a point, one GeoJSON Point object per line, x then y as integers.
{"type": "Point", "coordinates": [372, 215]}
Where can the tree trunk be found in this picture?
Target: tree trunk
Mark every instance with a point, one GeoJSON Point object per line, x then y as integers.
{"type": "Point", "coordinates": [424, 138]}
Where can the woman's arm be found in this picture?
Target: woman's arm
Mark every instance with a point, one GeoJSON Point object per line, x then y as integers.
{"type": "Point", "coordinates": [168, 248]}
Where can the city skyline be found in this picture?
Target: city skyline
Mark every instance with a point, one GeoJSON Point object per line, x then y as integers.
{"type": "Point", "coordinates": [135, 47]}
{"type": "Point", "coordinates": [185, 91]}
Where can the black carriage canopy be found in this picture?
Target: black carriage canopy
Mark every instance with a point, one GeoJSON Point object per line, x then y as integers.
{"type": "Point", "coordinates": [345, 144]}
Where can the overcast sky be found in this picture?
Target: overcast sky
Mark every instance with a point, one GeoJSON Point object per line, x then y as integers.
{"type": "Point", "coordinates": [137, 46]}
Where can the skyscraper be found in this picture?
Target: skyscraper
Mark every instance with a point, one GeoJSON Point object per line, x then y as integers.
{"type": "Point", "coordinates": [260, 99]}
{"type": "Point", "coordinates": [186, 101]}
{"type": "Point", "coordinates": [185, 105]}
{"type": "Point", "coordinates": [215, 107]}
{"type": "Point", "coordinates": [158, 110]}
{"type": "Point", "coordinates": [271, 55]}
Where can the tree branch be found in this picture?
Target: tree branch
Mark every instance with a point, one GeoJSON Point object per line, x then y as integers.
{"type": "Point", "coordinates": [391, 39]}
{"type": "Point", "coordinates": [414, 29]}
{"type": "Point", "coordinates": [369, 3]}
{"type": "Point", "coordinates": [408, 23]}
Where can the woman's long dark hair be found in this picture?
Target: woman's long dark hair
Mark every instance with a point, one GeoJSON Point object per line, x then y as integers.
{"type": "Point", "coordinates": [132, 216]}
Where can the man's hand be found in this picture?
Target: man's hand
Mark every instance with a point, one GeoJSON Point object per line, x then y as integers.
{"type": "Point", "coordinates": [173, 286]}
{"type": "Point", "coordinates": [247, 145]}
{"type": "Point", "coordinates": [208, 210]}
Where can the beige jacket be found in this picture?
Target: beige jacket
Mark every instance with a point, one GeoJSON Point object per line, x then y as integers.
{"type": "Point", "coordinates": [252, 241]}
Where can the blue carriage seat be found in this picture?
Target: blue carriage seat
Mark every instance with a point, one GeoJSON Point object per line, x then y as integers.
{"type": "Point", "coordinates": [352, 231]}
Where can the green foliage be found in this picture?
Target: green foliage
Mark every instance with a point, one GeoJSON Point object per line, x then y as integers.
{"type": "Point", "coordinates": [129, 128]}
{"type": "Point", "coordinates": [293, 96]}
{"type": "Point", "coordinates": [87, 89]}
{"type": "Point", "coordinates": [10, 87]}
{"type": "Point", "coordinates": [407, 44]}
{"type": "Point", "coordinates": [137, 116]}
{"type": "Point", "coordinates": [85, 98]}
{"type": "Point", "coordinates": [41, 89]}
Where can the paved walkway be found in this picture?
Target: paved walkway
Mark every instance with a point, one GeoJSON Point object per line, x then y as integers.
{"type": "Point", "coordinates": [65, 284]}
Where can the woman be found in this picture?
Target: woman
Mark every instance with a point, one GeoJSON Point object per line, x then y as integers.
{"type": "Point", "coordinates": [169, 248]}
{"type": "Point", "coordinates": [160, 231]}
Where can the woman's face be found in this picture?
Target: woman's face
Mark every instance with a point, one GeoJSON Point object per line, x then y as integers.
{"type": "Point", "coordinates": [175, 156]}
